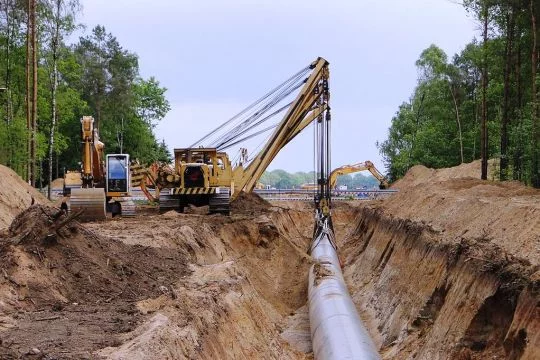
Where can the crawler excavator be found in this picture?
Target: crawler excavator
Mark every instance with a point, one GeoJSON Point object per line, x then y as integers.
{"type": "Point", "coordinates": [205, 175]}
{"type": "Point", "coordinates": [98, 187]}
{"type": "Point", "coordinates": [348, 169]}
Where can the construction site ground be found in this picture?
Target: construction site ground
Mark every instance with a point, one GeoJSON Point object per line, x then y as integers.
{"type": "Point", "coordinates": [447, 268]}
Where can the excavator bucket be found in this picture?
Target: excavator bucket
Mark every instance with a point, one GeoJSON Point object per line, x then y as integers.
{"type": "Point", "coordinates": [91, 201]}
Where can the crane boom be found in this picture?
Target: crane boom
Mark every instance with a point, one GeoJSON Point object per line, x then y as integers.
{"type": "Point", "coordinates": [310, 104]}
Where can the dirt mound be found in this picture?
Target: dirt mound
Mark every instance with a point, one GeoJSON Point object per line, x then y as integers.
{"type": "Point", "coordinates": [52, 274]}
{"type": "Point", "coordinates": [57, 183]}
{"type": "Point", "coordinates": [249, 203]}
{"type": "Point", "coordinates": [420, 174]}
{"type": "Point", "coordinates": [449, 265]}
{"type": "Point", "coordinates": [15, 195]}
{"type": "Point", "coordinates": [472, 169]}
{"type": "Point", "coordinates": [502, 213]}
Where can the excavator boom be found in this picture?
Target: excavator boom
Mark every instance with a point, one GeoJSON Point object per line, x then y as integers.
{"type": "Point", "coordinates": [348, 169]}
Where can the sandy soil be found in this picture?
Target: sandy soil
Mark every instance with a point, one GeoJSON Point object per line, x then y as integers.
{"type": "Point", "coordinates": [57, 183]}
{"type": "Point", "coordinates": [156, 286]}
{"type": "Point", "coordinates": [445, 269]}
{"type": "Point", "coordinates": [15, 196]}
{"type": "Point", "coordinates": [448, 268]}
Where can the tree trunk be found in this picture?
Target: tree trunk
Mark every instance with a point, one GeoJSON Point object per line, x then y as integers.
{"type": "Point", "coordinates": [458, 121]}
{"type": "Point", "coordinates": [9, 106]}
{"type": "Point", "coordinates": [503, 175]}
{"type": "Point", "coordinates": [9, 38]}
{"type": "Point", "coordinates": [535, 171]}
{"type": "Point", "coordinates": [28, 88]}
{"type": "Point", "coordinates": [518, 153]}
{"type": "Point", "coordinates": [474, 95]}
{"type": "Point", "coordinates": [484, 132]}
{"type": "Point", "coordinates": [54, 48]}
{"type": "Point", "coordinates": [34, 94]}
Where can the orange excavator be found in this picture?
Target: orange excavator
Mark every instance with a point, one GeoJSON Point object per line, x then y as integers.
{"type": "Point", "coordinates": [99, 186]}
{"type": "Point", "coordinates": [348, 169]}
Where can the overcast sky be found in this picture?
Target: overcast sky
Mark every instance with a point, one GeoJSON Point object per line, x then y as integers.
{"type": "Point", "coordinates": [216, 57]}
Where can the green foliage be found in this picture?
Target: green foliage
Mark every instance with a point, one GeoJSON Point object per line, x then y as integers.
{"type": "Point", "coordinates": [281, 179]}
{"type": "Point", "coordinates": [357, 181]}
{"type": "Point", "coordinates": [150, 102]}
{"type": "Point", "coordinates": [440, 125]}
{"type": "Point", "coordinates": [97, 77]}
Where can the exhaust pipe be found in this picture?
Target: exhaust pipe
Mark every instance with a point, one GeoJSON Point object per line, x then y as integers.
{"type": "Point", "coordinates": [337, 331]}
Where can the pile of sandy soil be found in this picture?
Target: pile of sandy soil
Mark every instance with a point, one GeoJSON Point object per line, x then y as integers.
{"type": "Point", "coordinates": [155, 286]}
{"type": "Point", "coordinates": [420, 174]}
{"type": "Point", "coordinates": [57, 184]}
{"type": "Point", "coordinates": [249, 203]}
{"type": "Point", "coordinates": [15, 196]}
{"type": "Point", "coordinates": [454, 203]}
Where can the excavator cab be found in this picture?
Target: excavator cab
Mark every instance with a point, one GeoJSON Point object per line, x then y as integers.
{"type": "Point", "coordinates": [117, 175]}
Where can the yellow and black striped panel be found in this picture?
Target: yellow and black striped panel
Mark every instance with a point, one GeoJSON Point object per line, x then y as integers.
{"type": "Point", "coordinates": [193, 191]}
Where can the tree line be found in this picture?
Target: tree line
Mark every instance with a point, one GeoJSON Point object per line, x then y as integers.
{"type": "Point", "coordinates": [482, 103]}
{"type": "Point", "coordinates": [281, 179]}
{"type": "Point", "coordinates": [48, 84]}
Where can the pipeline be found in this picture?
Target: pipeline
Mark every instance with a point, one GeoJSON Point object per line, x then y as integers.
{"type": "Point", "coordinates": [337, 331]}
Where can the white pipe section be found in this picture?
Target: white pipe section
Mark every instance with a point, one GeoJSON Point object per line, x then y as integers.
{"type": "Point", "coordinates": [337, 331]}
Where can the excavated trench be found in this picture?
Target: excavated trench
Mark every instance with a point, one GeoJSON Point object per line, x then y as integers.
{"type": "Point", "coordinates": [420, 296]}
{"type": "Point", "coordinates": [209, 287]}
{"type": "Point", "coordinates": [428, 299]}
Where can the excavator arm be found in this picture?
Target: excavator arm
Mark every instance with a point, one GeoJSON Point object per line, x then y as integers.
{"type": "Point", "coordinates": [310, 105]}
{"type": "Point", "coordinates": [92, 158]}
{"type": "Point", "coordinates": [348, 169]}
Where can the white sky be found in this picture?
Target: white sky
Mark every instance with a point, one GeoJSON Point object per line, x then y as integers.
{"type": "Point", "coordinates": [216, 57]}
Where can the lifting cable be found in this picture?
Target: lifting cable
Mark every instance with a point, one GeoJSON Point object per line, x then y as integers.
{"type": "Point", "coordinates": [277, 92]}
{"type": "Point", "coordinates": [226, 144]}
{"type": "Point", "coordinates": [247, 124]}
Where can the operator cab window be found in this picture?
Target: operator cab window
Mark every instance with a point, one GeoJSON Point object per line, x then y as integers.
{"type": "Point", "coordinates": [117, 168]}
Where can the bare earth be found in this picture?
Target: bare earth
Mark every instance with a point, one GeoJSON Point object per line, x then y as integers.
{"type": "Point", "coordinates": [445, 269]}
{"type": "Point", "coordinates": [15, 196]}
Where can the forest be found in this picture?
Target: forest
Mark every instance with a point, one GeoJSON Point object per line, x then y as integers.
{"type": "Point", "coordinates": [481, 103]}
{"type": "Point", "coordinates": [64, 80]}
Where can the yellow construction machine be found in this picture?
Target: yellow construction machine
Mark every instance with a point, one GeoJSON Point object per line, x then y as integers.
{"type": "Point", "coordinates": [205, 175]}
{"type": "Point", "coordinates": [99, 186]}
{"type": "Point", "coordinates": [348, 169]}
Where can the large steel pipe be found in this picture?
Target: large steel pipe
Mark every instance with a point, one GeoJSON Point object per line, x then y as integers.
{"type": "Point", "coordinates": [336, 329]}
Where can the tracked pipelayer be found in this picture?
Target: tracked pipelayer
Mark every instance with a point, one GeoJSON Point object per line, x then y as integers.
{"type": "Point", "coordinates": [203, 173]}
